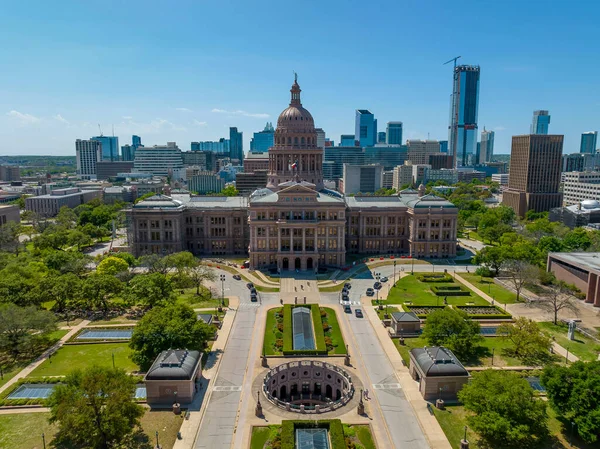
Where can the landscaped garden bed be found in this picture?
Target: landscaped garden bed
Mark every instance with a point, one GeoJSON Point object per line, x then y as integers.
{"type": "Point", "coordinates": [484, 312]}
{"type": "Point", "coordinates": [422, 311]}
{"type": "Point", "coordinates": [450, 290]}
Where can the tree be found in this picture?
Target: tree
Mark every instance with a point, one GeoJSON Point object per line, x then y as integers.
{"type": "Point", "coordinates": [577, 240]}
{"type": "Point", "coordinates": [112, 266]}
{"type": "Point", "coordinates": [550, 244]}
{"type": "Point", "coordinates": [494, 232]}
{"type": "Point", "coordinates": [79, 239]}
{"type": "Point", "coordinates": [199, 274]}
{"type": "Point", "coordinates": [65, 291]}
{"type": "Point", "coordinates": [528, 342]}
{"type": "Point", "coordinates": [574, 392]}
{"type": "Point", "coordinates": [53, 237]}
{"type": "Point", "coordinates": [151, 289]}
{"type": "Point", "coordinates": [143, 197]}
{"type": "Point", "coordinates": [492, 257]}
{"type": "Point", "coordinates": [518, 273]}
{"type": "Point", "coordinates": [172, 326]}
{"type": "Point", "coordinates": [230, 190]}
{"type": "Point", "coordinates": [154, 263]}
{"type": "Point", "coordinates": [66, 217]}
{"type": "Point", "coordinates": [453, 329]}
{"type": "Point", "coordinates": [9, 236]}
{"type": "Point", "coordinates": [67, 261]}
{"type": "Point", "coordinates": [556, 298]}
{"type": "Point", "coordinates": [95, 409]}
{"type": "Point", "coordinates": [127, 257]}
{"type": "Point", "coordinates": [506, 412]}
{"type": "Point", "coordinates": [19, 326]}
{"type": "Point", "coordinates": [98, 290]}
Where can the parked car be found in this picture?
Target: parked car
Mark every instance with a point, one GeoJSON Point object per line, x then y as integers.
{"type": "Point", "coordinates": [383, 279]}
{"type": "Point", "coordinates": [347, 309]}
{"type": "Point", "coordinates": [253, 291]}
{"type": "Point", "coordinates": [358, 313]}
{"type": "Point", "coordinates": [253, 297]}
{"type": "Point", "coordinates": [347, 285]}
{"type": "Point", "coordinates": [250, 285]}
{"type": "Point", "coordinates": [377, 285]}
{"type": "Point", "coordinates": [237, 277]}
{"type": "Point", "coordinates": [370, 292]}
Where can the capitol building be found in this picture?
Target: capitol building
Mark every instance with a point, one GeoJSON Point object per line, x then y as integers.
{"type": "Point", "coordinates": [294, 222]}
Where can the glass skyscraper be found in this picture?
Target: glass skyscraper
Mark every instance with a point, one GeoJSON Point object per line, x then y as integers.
{"type": "Point", "coordinates": [541, 120]}
{"type": "Point", "coordinates": [236, 144]}
{"type": "Point", "coordinates": [110, 147]}
{"type": "Point", "coordinates": [347, 140]}
{"type": "Point", "coordinates": [443, 146]}
{"type": "Point", "coordinates": [394, 133]}
{"type": "Point", "coordinates": [365, 130]}
{"type": "Point", "coordinates": [464, 106]}
{"type": "Point", "coordinates": [486, 149]}
{"type": "Point", "coordinates": [588, 142]}
{"type": "Point", "coordinates": [263, 140]}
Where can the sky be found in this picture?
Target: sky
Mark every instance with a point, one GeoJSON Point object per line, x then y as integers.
{"type": "Point", "coordinates": [188, 70]}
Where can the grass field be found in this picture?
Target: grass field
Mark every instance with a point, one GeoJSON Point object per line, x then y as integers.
{"type": "Point", "coordinates": [358, 435]}
{"type": "Point", "coordinates": [271, 332]}
{"type": "Point", "coordinates": [260, 436]}
{"type": "Point", "coordinates": [409, 288]}
{"type": "Point", "coordinates": [335, 333]}
{"type": "Point", "coordinates": [583, 347]}
{"type": "Point", "coordinates": [487, 285]}
{"type": "Point", "coordinates": [389, 310]}
{"type": "Point", "coordinates": [70, 357]}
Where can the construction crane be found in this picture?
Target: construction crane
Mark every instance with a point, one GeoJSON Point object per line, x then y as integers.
{"type": "Point", "coordinates": [100, 129]}
{"type": "Point", "coordinates": [454, 117]}
{"type": "Point", "coordinates": [453, 59]}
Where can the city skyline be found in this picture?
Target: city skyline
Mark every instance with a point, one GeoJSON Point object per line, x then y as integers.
{"type": "Point", "coordinates": [43, 112]}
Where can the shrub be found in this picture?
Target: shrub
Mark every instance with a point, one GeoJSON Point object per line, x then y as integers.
{"type": "Point", "coordinates": [336, 432]}
{"type": "Point", "coordinates": [280, 327]}
{"type": "Point", "coordinates": [279, 344]}
{"type": "Point", "coordinates": [484, 271]}
{"type": "Point", "coordinates": [326, 327]}
{"type": "Point", "coordinates": [432, 277]}
{"type": "Point", "coordinates": [449, 290]}
{"type": "Point", "coordinates": [323, 314]}
{"type": "Point", "coordinates": [328, 343]}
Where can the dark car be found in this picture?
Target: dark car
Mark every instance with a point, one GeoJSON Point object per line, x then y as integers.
{"type": "Point", "coordinates": [383, 279]}
{"type": "Point", "coordinates": [358, 313]}
{"type": "Point", "coordinates": [347, 309]}
{"type": "Point", "coordinates": [347, 285]}
{"type": "Point", "coordinates": [253, 291]}
{"type": "Point", "coordinates": [253, 297]}
{"type": "Point", "coordinates": [237, 277]}
{"type": "Point", "coordinates": [377, 285]}
{"type": "Point", "coordinates": [250, 285]}
{"type": "Point", "coordinates": [370, 292]}
{"type": "Point", "coordinates": [345, 291]}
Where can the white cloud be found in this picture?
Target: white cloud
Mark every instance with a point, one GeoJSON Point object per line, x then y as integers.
{"type": "Point", "coordinates": [198, 123]}
{"type": "Point", "coordinates": [499, 128]}
{"type": "Point", "coordinates": [127, 117]}
{"type": "Point", "coordinates": [154, 126]}
{"type": "Point", "coordinates": [240, 112]}
{"type": "Point", "coordinates": [24, 119]}
{"type": "Point", "coordinates": [61, 119]}
{"type": "Point", "coordinates": [183, 109]}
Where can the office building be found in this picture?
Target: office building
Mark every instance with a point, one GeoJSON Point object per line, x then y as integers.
{"type": "Point", "coordinates": [393, 133]}
{"type": "Point", "coordinates": [420, 150]}
{"type": "Point", "coordinates": [387, 155]}
{"type": "Point", "coordinates": [256, 161]}
{"type": "Point", "coordinates": [448, 175]}
{"type": "Point", "coordinates": [263, 140]}
{"type": "Point", "coordinates": [222, 146]}
{"type": "Point", "coordinates": [334, 159]}
{"type": "Point", "coordinates": [9, 212]}
{"type": "Point", "coordinates": [440, 160]}
{"type": "Point", "coordinates": [204, 159]}
{"type": "Point", "coordinates": [205, 183]}
{"type": "Point", "coordinates": [110, 147]}
{"type": "Point", "coordinates": [381, 137]}
{"type": "Point", "coordinates": [580, 186]}
{"type": "Point", "coordinates": [387, 181]}
{"type": "Point", "coordinates": [588, 142]}
{"type": "Point", "coordinates": [402, 177]}
{"type": "Point", "coordinates": [462, 136]}
{"type": "Point", "coordinates": [535, 163]}
{"type": "Point", "coordinates": [580, 269]}
{"type": "Point", "coordinates": [443, 146]}
{"type": "Point", "coordinates": [468, 174]}
{"type": "Point", "coordinates": [497, 167]}
{"type": "Point", "coordinates": [320, 137]}
{"type": "Point", "coordinates": [581, 162]}
{"type": "Point", "coordinates": [486, 147]}
{"type": "Point", "coordinates": [87, 155]}
{"type": "Point", "coordinates": [119, 194]}
{"type": "Point", "coordinates": [361, 178]}
{"type": "Point", "coordinates": [418, 173]}
{"type": "Point", "coordinates": [501, 179]}
{"type": "Point", "coordinates": [10, 173]}
{"type": "Point", "coordinates": [540, 123]}
{"type": "Point", "coordinates": [127, 153]}
{"type": "Point", "coordinates": [247, 183]}
{"type": "Point", "coordinates": [136, 141]}
{"type": "Point", "coordinates": [365, 129]}
{"type": "Point", "coordinates": [160, 160]}
{"type": "Point", "coordinates": [49, 205]}
{"type": "Point", "coordinates": [105, 169]}
{"type": "Point", "coordinates": [347, 140]}
{"type": "Point", "coordinates": [236, 144]}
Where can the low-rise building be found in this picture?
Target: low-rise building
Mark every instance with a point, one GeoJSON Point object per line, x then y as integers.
{"type": "Point", "coordinates": [405, 324]}
{"type": "Point", "coordinates": [172, 377]}
{"type": "Point", "coordinates": [123, 194]}
{"type": "Point", "coordinates": [362, 178]}
{"type": "Point", "coordinates": [247, 183]}
{"type": "Point", "coordinates": [111, 169]}
{"type": "Point", "coordinates": [580, 269]}
{"type": "Point", "coordinates": [9, 212]}
{"type": "Point", "coordinates": [501, 178]}
{"type": "Point", "coordinates": [449, 176]}
{"type": "Point", "coordinates": [583, 213]}
{"type": "Point", "coordinates": [439, 373]}
{"type": "Point", "coordinates": [580, 186]}
{"type": "Point", "coordinates": [49, 205]}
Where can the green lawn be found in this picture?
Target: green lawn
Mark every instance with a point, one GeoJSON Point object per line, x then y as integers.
{"type": "Point", "coordinates": [204, 300]}
{"type": "Point", "coordinates": [359, 435]}
{"type": "Point", "coordinates": [487, 285]}
{"type": "Point", "coordinates": [260, 436]}
{"type": "Point", "coordinates": [389, 310]}
{"type": "Point", "coordinates": [583, 347]}
{"type": "Point", "coordinates": [70, 357]}
{"type": "Point", "coordinates": [271, 332]}
{"type": "Point", "coordinates": [409, 288]}
{"type": "Point", "coordinates": [335, 333]}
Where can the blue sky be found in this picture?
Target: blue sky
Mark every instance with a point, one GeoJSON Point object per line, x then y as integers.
{"type": "Point", "coordinates": [187, 70]}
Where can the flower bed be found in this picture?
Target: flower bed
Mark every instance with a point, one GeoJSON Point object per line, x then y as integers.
{"type": "Point", "coordinates": [433, 277]}
{"type": "Point", "coordinates": [422, 311]}
{"type": "Point", "coordinates": [450, 290]}
{"type": "Point", "coordinates": [484, 312]}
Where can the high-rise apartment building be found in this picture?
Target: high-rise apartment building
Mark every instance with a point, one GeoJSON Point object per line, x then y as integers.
{"type": "Point", "coordinates": [588, 142]}
{"type": "Point", "coordinates": [486, 149]}
{"type": "Point", "coordinates": [541, 120]}
{"type": "Point", "coordinates": [420, 150]}
{"type": "Point", "coordinates": [221, 146]}
{"type": "Point", "coordinates": [136, 141]}
{"type": "Point", "coordinates": [160, 160]}
{"type": "Point", "coordinates": [347, 140]}
{"type": "Point", "coordinates": [393, 133]}
{"type": "Point", "coordinates": [110, 147]}
{"type": "Point", "coordinates": [535, 168]}
{"type": "Point", "coordinates": [462, 136]}
{"type": "Point", "coordinates": [381, 137]}
{"type": "Point", "coordinates": [365, 130]}
{"type": "Point", "coordinates": [236, 144]}
{"type": "Point", "coordinates": [87, 155]}
{"type": "Point", "coordinates": [263, 140]}
{"type": "Point", "coordinates": [127, 153]}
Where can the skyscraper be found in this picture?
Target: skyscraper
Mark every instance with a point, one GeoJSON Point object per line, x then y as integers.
{"type": "Point", "coordinates": [87, 154]}
{"type": "Point", "coordinates": [588, 142]}
{"type": "Point", "coordinates": [541, 120]}
{"type": "Point", "coordinates": [110, 147]}
{"type": "Point", "coordinates": [263, 140]}
{"type": "Point", "coordinates": [393, 133]}
{"type": "Point", "coordinates": [347, 140]}
{"type": "Point", "coordinates": [486, 149]}
{"type": "Point", "coordinates": [462, 135]}
{"type": "Point", "coordinates": [443, 146]}
{"type": "Point", "coordinates": [127, 153]}
{"type": "Point", "coordinates": [535, 168]}
{"type": "Point", "coordinates": [381, 137]}
{"type": "Point", "coordinates": [320, 137]}
{"type": "Point", "coordinates": [365, 130]}
{"type": "Point", "coordinates": [236, 144]}
{"type": "Point", "coordinates": [136, 141]}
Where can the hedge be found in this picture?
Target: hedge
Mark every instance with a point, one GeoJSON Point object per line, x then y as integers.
{"type": "Point", "coordinates": [449, 290]}
{"type": "Point", "coordinates": [288, 337]}
{"type": "Point", "coordinates": [434, 277]}
{"type": "Point", "coordinates": [336, 432]}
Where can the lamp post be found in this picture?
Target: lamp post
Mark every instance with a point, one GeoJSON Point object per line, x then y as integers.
{"type": "Point", "coordinates": [493, 349]}
{"type": "Point", "coordinates": [394, 272]}
{"type": "Point", "coordinates": [157, 443]}
{"type": "Point", "coordinates": [412, 269]}
{"type": "Point", "coordinates": [464, 443]}
{"type": "Point", "coordinates": [222, 277]}
{"type": "Point", "coordinates": [113, 360]}
{"type": "Point", "coordinates": [44, 440]}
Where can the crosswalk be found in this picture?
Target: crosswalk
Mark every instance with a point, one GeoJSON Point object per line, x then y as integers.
{"type": "Point", "coordinates": [248, 305]}
{"type": "Point", "coordinates": [350, 303]}
{"type": "Point", "coordinates": [227, 388]}
{"type": "Point", "coordinates": [386, 387]}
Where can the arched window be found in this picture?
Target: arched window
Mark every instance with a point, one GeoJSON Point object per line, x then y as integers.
{"type": "Point", "coordinates": [302, 141]}
{"type": "Point", "coordinates": [295, 141]}
{"type": "Point", "coordinates": [289, 140]}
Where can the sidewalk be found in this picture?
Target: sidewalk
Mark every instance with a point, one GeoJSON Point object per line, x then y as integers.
{"type": "Point", "coordinates": [429, 424]}
{"type": "Point", "coordinates": [189, 427]}
{"type": "Point", "coordinates": [37, 362]}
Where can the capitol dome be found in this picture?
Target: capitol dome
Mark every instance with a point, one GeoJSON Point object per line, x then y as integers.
{"type": "Point", "coordinates": [295, 125]}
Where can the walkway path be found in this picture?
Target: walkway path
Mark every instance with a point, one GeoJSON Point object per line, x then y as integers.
{"type": "Point", "coordinates": [37, 362]}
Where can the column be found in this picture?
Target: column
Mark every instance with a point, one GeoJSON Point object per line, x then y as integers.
{"type": "Point", "coordinates": [303, 240]}
{"type": "Point", "coordinates": [291, 240]}
{"type": "Point", "coordinates": [597, 295]}
{"type": "Point", "coordinates": [278, 239]}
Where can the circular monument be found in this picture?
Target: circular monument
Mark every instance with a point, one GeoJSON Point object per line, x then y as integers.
{"type": "Point", "coordinates": [308, 387]}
